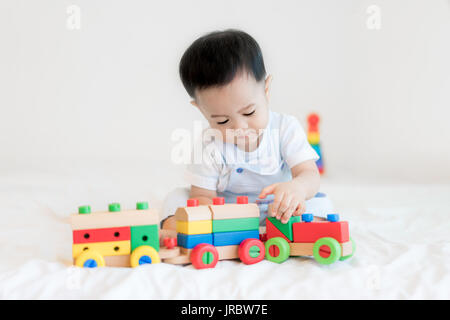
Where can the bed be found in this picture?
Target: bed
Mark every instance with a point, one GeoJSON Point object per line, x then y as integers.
{"type": "Point", "coordinates": [401, 232]}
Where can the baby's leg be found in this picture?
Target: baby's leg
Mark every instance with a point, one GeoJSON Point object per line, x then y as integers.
{"type": "Point", "coordinates": [175, 199]}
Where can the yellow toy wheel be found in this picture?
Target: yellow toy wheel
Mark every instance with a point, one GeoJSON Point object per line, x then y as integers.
{"type": "Point", "coordinates": [144, 255]}
{"type": "Point", "coordinates": [90, 259]}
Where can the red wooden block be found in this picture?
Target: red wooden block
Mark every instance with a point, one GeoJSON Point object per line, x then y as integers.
{"type": "Point", "coordinates": [272, 231]}
{"type": "Point", "coordinates": [313, 231]}
{"type": "Point", "coordinates": [102, 235]}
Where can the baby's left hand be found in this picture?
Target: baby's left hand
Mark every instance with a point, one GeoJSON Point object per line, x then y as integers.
{"type": "Point", "coordinates": [289, 200]}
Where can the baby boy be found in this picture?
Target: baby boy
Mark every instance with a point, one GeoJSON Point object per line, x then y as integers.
{"type": "Point", "coordinates": [253, 151]}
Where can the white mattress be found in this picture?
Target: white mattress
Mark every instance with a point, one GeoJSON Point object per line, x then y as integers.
{"type": "Point", "coordinates": [401, 232]}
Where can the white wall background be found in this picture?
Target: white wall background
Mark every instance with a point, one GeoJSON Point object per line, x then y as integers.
{"type": "Point", "coordinates": [110, 91]}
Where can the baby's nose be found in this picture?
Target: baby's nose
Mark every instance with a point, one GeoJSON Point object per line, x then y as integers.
{"type": "Point", "coordinates": [240, 125]}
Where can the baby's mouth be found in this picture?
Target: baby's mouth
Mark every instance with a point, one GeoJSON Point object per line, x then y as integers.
{"type": "Point", "coordinates": [249, 134]}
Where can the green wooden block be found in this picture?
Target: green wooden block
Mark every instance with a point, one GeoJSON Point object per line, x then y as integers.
{"type": "Point", "coordinates": [145, 236]}
{"type": "Point", "coordinates": [285, 228]}
{"type": "Point", "coordinates": [241, 224]}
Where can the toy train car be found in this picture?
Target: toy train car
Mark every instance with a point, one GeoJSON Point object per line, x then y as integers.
{"type": "Point", "coordinates": [327, 241]}
{"type": "Point", "coordinates": [119, 238]}
{"type": "Point", "coordinates": [207, 234]}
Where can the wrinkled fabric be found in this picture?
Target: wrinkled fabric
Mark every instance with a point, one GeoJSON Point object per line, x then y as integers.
{"type": "Point", "coordinates": [401, 233]}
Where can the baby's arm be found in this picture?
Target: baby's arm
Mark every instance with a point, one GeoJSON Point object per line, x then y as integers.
{"type": "Point", "coordinates": [290, 197]}
{"type": "Point", "coordinates": [204, 197]}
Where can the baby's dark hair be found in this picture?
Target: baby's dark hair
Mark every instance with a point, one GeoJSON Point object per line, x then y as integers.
{"type": "Point", "coordinates": [215, 58]}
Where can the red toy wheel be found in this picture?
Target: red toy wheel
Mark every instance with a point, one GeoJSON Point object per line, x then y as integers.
{"type": "Point", "coordinates": [251, 251]}
{"type": "Point", "coordinates": [204, 256]}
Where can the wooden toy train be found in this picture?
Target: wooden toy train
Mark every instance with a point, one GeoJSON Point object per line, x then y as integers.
{"type": "Point", "coordinates": [205, 234]}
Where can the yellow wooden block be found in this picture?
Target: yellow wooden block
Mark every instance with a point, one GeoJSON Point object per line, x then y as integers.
{"type": "Point", "coordinates": [194, 227]}
{"type": "Point", "coordinates": [313, 137]}
{"type": "Point", "coordinates": [114, 248]}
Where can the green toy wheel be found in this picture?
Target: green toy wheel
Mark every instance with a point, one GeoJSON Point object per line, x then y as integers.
{"type": "Point", "coordinates": [327, 250]}
{"type": "Point", "coordinates": [277, 250]}
{"type": "Point", "coordinates": [353, 251]}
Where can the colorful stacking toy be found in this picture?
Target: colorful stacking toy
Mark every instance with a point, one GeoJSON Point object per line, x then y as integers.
{"type": "Point", "coordinates": [314, 138]}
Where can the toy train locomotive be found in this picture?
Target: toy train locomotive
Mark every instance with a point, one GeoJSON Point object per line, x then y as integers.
{"type": "Point", "coordinates": [205, 234]}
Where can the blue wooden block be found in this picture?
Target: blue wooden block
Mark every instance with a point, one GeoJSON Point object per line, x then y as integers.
{"type": "Point", "coordinates": [189, 241]}
{"type": "Point", "coordinates": [233, 238]}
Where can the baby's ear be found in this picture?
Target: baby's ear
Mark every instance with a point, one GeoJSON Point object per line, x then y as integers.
{"type": "Point", "coordinates": [194, 103]}
{"type": "Point", "coordinates": [267, 85]}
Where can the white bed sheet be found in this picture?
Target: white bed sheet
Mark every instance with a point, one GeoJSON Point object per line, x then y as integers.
{"type": "Point", "coordinates": [401, 232]}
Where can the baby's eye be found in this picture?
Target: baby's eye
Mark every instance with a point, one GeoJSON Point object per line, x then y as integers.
{"type": "Point", "coordinates": [223, 122]}
{"type": "Point", "coordinates": [249, 114]}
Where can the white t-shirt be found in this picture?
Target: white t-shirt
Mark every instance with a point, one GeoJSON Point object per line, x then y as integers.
{"type": "Point", "coordinates": [228, 169]}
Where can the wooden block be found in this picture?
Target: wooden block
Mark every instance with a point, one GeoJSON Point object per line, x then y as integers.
{"type": "Point", "coordinates": [101, 235]}
{"type": "Point", "coordinates": [312, 231]}
{"type": "Point", "coordinates": [233, 238]}
{"type": "Point", "coordinates": [347, 248]}
{"type": "Point", "coordinates": [228, 252]}
{"type": "Point", "coordinates": [145, 236]}
{"type": "Point", "coordinates": [191, 240]}
{"type": "Point", "coordinates": [197, 213]}
{"type": "Point", "coordinates": [98, 220]}
{"type": "Point", "coordinates": [273, 232]}
{"type": "Point", "coordinates": [194, 227]}
{"type": "Point", "coordinates": [241, 224]}
{"type": "Point", "coordinates": [181, 259]}
{"type": "Point", "coordinates": [165, 253]}
{"type": "Point", "coordinates": [285, 228]}
{"type": "Point", "coordinates": [114, 248]}
{"type": "Point", "coordinates": [234, 211]}
{"type": "Point", "coordinates": [301, 249]}
{"type": "Point", "coordinates": [118, 261]}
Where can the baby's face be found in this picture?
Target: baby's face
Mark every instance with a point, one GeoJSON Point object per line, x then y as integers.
{"type": "Point", "coordinates": [239, 110]}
